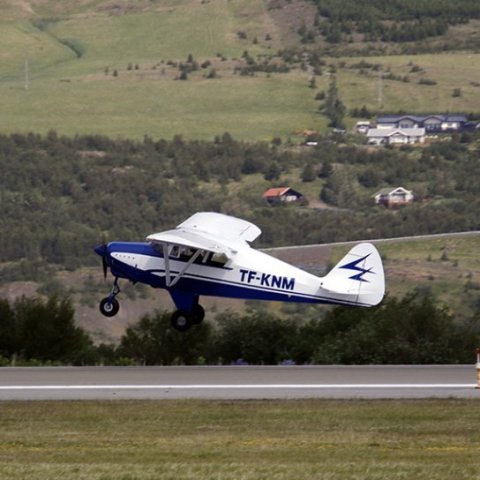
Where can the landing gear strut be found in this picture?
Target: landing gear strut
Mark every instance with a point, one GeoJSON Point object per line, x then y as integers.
{"type": "Point", "coordinates": [109, 306]}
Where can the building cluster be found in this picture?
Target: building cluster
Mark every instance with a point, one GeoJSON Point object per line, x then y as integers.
{"type": "Point", "coordinates": [388, 197]}
{"type": "Point", "coordinates": [388, 130]}
{"type": "Point", "coordinates": [413, 129]}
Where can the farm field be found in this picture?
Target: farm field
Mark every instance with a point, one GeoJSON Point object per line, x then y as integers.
{"type": "Point", "coordinates": [435, 439]}
{"type": "Point", "coordinates": [100, 68]}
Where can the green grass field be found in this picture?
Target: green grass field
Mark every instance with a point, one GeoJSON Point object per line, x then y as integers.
{"type": "Point", "coordinates": [434, 439]}
{"type": "Point", "coordinates": [449, 71]}
{"type": "Point", "coordinates": [130, 107]}
{"type": "Point", "coordinates": [69, 46]}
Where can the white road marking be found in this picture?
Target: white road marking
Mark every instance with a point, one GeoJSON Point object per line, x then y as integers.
{"type": "Point", "coordinates": [239, 386]}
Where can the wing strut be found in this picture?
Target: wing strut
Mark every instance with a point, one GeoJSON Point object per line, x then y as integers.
{"type": "Point", "coordinates": [169, 281]}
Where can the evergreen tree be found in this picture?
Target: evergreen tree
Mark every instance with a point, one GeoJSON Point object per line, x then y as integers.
{"type": "Point", "coordinates": [334, 108]}
{"type": "Point", "coordinates": [273, 172]}
{"type": "Point", "coordinates": [308, 173]}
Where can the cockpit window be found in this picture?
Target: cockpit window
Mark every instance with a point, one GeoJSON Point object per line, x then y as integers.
{"type": "Point", "coordinates": [179, 252]}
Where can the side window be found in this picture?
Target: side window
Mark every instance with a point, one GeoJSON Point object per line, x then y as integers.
{"type": "Point", "coordinates": [186, 253]}
{"type": "Point", "coordinates": [219, 259]}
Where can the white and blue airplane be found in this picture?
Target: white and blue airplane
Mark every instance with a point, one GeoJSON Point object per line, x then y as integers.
{"type": "Point", "coordinates": [209, 255]}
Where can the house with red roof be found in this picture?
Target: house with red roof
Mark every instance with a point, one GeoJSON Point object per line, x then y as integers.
{"type": "Point", "coordinates": [282, 194]}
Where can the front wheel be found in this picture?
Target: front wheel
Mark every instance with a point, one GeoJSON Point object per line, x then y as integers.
{"type": "Point", "coordinates": [109, 307]}
{"type": "Point", "coordinates": [181, 320]}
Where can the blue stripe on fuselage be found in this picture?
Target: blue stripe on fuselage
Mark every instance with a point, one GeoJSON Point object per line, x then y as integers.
{"type": "Point", "coordinates": [142, 248]}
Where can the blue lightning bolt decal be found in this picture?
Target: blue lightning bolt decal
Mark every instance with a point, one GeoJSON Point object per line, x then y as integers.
{"type": "Point", "coordinates": [354, 266]}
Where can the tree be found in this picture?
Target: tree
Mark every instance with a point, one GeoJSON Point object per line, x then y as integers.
{"type": "Point", "coordinates": [153, 341]}
{"type": "Point", "coordinates": [326, 170]}
{"type": "Point", "coordinates": [8, 330]}
{"type": "Point", "coordinates": [370, 178]}
{"type": "Point", "coordinates": [308, 173]}
{"type": "Point", "coordinates": [33, 328]}
{"type": "Point", "coordinates": [273, 172]}
{"type": "Point", "coordinates": [47, 331]}
{"type": "Point", "coordinates": [340, 188]}
{"type": "Point", "coordinates": [334, 108]}
{"type": "Point", "coordinates": [414, 329]}
{"type": "Point", "coordinates": [257, 337]}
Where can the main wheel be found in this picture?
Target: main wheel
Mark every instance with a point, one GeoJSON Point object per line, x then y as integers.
{"type": "Point", "coordinates": [109, 307]}
{"type": "Point", "coordinates": [198, 314]}
{"type": "Point", "coordinates": [181, 320]}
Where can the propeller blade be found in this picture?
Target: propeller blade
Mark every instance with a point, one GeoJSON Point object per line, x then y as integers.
{"type": "Point", "coordinates": [105, 267]}
{"type": "Point", "coordinates": [102, 250]}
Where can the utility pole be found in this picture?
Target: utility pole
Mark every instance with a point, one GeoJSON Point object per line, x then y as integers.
{"type": "Point", "coordinates": [27, 78]}
{"type": "Point", "coordinates": [380, 89]}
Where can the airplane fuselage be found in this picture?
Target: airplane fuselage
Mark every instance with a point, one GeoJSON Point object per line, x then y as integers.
{"type": "Point", "coordinates": [249, 275]}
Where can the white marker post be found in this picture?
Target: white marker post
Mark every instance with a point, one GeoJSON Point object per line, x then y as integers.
{"type": "Point", "coordinates": [478, 368]}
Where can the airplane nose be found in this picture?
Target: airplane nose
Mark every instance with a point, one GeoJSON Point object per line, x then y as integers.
{"type": "Point", "coordinates": [101, 250]}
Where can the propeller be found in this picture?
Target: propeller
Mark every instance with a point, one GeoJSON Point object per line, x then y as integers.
{"type": "Point", "coordinates": [105, 266]}
{"type": "Point", "coordinates": [103, 251]}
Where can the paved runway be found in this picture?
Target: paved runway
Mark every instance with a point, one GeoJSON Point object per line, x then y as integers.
{"type": "Point", "coordinates": [238, 382]}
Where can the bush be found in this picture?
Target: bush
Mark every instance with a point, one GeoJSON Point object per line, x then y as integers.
{"type": "Point", "coordinates": [45, 331]}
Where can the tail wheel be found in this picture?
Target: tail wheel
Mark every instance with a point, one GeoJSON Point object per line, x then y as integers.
{"type": "Point", "coordinates": [109, 307]}
{"type": "Point", "coordinates": [181, 320]}
{"type": "Point", "coordinates": [198, 314]}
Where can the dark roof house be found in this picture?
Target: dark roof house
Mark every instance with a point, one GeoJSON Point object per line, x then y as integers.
{"type": "Point", "coordinates": [432, 123]}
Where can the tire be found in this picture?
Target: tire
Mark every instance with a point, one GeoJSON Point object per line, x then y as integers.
{"type": "Point", "coordinates": [198, 314]}
{"type": "Point", "coordinates": [181, 320]}
{"type": "Point", "coordinates": [109, 307]}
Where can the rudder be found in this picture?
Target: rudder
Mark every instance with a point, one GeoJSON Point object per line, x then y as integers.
{"type": "Point", "coordinates": [358, 277]}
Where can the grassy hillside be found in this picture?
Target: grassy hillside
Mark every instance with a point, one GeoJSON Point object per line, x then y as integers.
{"type": "Point", "coordinates": [74, 48]}
{"type": "Point", "coordinates": [402, 87]}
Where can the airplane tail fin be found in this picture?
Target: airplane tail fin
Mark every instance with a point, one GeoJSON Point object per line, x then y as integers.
{"type": "Point", "coordinates": [358, 279]}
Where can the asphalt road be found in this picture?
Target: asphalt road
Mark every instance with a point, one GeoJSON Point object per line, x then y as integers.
{"type": "Point", "coordinates": [238, 382]}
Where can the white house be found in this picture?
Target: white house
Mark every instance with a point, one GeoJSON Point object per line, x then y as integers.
{"type": "Point", "coordinates": [394, 197]}
{"type": "Point", "coordinates": [362, 126]}
{"type": "Point", "coordinates": [395, 136]}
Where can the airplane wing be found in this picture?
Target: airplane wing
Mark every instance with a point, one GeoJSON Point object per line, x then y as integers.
{"type": "Point", "coordinates": [222, 226]}
{"type": "Point", "coordinates": [189, 239]}
{"type": "Point", "coordinates": [213, 232]}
